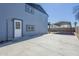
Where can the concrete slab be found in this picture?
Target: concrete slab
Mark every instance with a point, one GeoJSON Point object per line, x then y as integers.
{"type": "Point", "coordinates": [46, 45]}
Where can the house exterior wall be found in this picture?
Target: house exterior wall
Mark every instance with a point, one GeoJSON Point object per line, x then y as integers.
{"type": "Point", "coordinates": [2, 24]}
{"type": "Point", "coordinates": [10, 11]}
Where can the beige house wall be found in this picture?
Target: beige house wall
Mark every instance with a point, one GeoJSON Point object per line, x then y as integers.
{"type": "Point", "coordinates": [77, 31]}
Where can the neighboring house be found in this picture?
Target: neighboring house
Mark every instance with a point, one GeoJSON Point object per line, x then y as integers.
{"type": "Point", "coordinates": [54, 26]}
{"type": "Point", "coordinates": [19, 20]}
{"type": "Point", "coordinates": [62, 26]}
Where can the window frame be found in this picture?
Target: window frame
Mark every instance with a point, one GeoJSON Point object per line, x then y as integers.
{"type": "Point", "coordinates": [18, 26]}
{"type": "Point", "coordinates": [30, 28]}
{"type": "Point", "coordinates": [29, 9]}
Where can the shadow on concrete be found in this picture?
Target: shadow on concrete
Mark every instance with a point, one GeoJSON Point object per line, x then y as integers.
{"type": "Point", "coordinates": [65, 33]}
{"type": "Point", "coordinates": [9, 42]}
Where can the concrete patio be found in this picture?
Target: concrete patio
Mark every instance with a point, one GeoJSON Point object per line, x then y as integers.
{"type": "Point", "coordinates": [45, 45]}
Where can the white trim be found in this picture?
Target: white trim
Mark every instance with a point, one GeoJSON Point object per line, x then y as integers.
{"type": "Point", "coordinates": [17, 32]}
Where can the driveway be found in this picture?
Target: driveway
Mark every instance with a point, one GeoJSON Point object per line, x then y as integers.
{"type": "Point", "coordinates": [45, 45]}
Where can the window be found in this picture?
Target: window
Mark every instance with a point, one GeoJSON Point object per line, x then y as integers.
{"type": "Point", "coordinates": [29, 9]}
{"type": "Point", "coordinates": [30, 28]}
{"type": "Point", "coordinates": [17, 25]}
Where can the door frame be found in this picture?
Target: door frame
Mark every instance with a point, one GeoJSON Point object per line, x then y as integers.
{"type": "Point", "coordinates": [13, 26]}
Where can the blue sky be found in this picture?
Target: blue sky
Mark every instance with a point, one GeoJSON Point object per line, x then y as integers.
{"type": "Point", "coordinates": [60, 11]}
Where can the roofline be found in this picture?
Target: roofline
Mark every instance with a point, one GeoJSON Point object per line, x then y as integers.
{"type": "Point", "coordinates": [44, 10]}
{"type": "Point", "coordinates": [37, 9]}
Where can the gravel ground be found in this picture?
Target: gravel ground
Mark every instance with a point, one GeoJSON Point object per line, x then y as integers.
{"type": "Point", "coordinates": [45, 45]}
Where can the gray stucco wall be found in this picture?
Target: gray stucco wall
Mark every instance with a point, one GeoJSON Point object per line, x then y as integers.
{"type": "Point", "coordinates": [10, 11]}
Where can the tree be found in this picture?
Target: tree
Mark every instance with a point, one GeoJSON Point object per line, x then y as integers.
{"type": "Point", "coordinates": [75, 23]}
{"type": "Point", "coordinates": [76, 12]}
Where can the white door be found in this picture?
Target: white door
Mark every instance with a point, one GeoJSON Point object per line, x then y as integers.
{"type": "Point", "coordinates": [17, 28]}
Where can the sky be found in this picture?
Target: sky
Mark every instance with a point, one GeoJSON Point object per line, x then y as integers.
{"type": "Point", "coordinates": [60, 12]}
